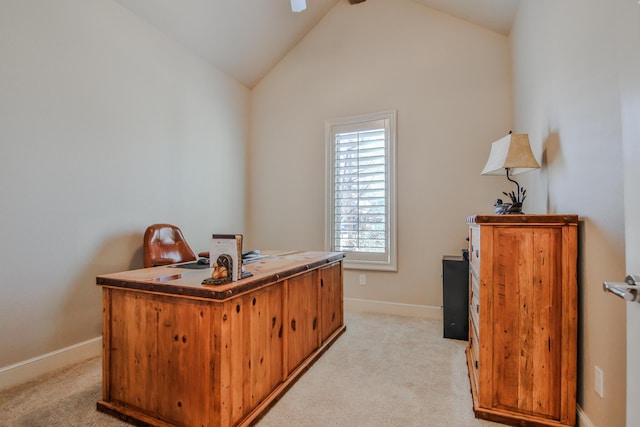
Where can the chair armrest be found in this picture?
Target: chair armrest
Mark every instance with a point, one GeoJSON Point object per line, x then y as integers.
{"type": "Point", "coordinates": [203, 254]}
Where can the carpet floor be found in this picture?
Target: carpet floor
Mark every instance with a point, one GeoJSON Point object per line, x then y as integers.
{"type": "Point", "coordinates": [383, 371]}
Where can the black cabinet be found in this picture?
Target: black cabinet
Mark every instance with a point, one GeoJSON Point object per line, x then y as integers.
{"type": "Point", "coordinates": [455, 296]}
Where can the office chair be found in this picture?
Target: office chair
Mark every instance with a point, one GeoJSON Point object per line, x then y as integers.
{"type": "Point", "coordinates": [165, 244]}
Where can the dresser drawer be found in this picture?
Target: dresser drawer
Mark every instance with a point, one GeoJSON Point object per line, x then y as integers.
{"type": "Point", "coordinates": [474, 246]}
{"type": "Point", "coordinates": [475, 317]}
{"type": "Point", "coordinates": [474, 302]}
{"type": "Point", "coordinates": [475, 353]}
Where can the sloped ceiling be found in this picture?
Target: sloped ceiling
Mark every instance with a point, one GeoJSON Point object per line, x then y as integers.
{"type": "Point", "coordinates": [246, 38]}
{"type": "Point", "coordinates": [496, 15]}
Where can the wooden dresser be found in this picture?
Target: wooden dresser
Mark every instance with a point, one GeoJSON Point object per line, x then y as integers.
{"type": "Point", "coordinates": [523, 318]}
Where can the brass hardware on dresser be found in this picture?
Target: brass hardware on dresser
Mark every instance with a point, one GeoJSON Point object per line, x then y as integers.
{"type": "Point", "coordinates": [523, 318]}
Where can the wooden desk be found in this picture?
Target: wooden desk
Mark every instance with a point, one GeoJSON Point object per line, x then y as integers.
{"type": "Point", "coordinates": [176, 352]}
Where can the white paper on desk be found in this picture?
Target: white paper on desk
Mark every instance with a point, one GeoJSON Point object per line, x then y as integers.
{"type": "Point", "coordinates": [230, 244]}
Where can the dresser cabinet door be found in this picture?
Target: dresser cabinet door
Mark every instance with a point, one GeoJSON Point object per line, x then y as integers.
{"type": "Point", "coordinates": [527, 325]}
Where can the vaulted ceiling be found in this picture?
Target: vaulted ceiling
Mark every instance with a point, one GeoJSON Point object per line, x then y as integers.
{"type": "Point", "coordinates": [246, 38]}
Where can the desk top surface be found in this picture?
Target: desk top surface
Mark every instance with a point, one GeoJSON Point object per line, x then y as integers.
{"type": "Point", "coordinates": [177, 281]}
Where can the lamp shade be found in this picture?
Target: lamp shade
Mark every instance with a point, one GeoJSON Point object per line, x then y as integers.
{"type": "Point", "coordinates": [511, 152]}
{"type": "Point", "coordinates": [298, 5]}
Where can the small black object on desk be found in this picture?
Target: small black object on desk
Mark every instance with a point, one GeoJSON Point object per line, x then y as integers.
{"type": "Point", "coordinates": [193, 265]}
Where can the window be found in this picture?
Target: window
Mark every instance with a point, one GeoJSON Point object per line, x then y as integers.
{"type": "Point", "coordinates": [361, 190]}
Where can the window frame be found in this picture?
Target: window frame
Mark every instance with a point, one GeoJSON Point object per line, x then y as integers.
{"type": "Point", "coordinates": [361, 260]}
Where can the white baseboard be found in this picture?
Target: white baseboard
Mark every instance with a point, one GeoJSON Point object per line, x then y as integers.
{"type": "Point", "coordinates": [583, 420]}
{"type": "Point", "coordinates": [29, 369]}
{"type": "Point", "coordinates": [399, 309]}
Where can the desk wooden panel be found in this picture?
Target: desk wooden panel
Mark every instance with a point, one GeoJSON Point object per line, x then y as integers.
{"type": "Point", "coordinates": [176, 352]}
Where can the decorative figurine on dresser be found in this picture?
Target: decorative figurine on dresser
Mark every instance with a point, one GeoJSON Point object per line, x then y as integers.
{"type": "Point", "coordinates": [511, 155]}
{"type": "Point", "coordinates": [523, 318]}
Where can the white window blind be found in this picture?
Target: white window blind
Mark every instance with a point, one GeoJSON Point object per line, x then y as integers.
{"type": "Point", "coordinates": [361, 190]}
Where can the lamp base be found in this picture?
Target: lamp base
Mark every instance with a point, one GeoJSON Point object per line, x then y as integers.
{"type": "Point", "coordinates": [508, 208]}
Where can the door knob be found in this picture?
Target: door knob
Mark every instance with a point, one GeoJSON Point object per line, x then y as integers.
{"type": "Point", "coordinates": [627, 290]}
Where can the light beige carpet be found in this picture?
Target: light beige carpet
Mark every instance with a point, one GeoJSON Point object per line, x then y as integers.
{"type": "Point", "coordinates": [383, 371]}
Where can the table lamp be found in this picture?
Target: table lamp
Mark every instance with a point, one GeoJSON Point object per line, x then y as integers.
{"type": "Point", "coordinates": [511, 154]}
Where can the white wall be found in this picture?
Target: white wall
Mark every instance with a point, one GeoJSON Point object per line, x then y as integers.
{"type": "Point", "coordinates": [106, 126]}
{"type": "Point", "coordinates": [450, 82]}
{"type": "Point", "coordinates": [567, 97]}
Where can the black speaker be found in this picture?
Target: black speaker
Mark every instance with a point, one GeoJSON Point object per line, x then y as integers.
{"type": "Point", "coordinates": [455, 296]}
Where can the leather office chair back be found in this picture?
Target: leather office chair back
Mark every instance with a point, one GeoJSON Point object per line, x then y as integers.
{"type": "Point", "coordinates": [165, 244]}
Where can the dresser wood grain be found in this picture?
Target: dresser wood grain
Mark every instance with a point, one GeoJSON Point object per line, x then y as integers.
{"type": "Point", "coordinates": [523, 318]}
